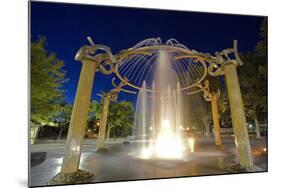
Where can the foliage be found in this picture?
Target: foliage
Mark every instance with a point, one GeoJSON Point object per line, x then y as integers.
{"type": "Point", "coordinates": [120, 116]}
{"type": "Point", "coordinates": [47, 77]}
{"type": "Point", "coordinates": [197, 111]}
{"type": "Point", "coordinates": [218, 83]}
{"type": "Point", "coordinates": [253, 82]}
{"type": "Point", "coordinates": [94, 113]}
{"type": "Point", "coordinates": [253, 79]}
{"type": "Point", "coordinates": [61, 114]}
{"type": "Point", "coordinates": [215, 84]}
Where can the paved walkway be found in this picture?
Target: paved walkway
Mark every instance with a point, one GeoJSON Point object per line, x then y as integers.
{"type": "Point", "coordinates": [122, 161]}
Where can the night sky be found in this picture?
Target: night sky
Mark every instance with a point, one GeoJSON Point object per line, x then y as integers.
{"type": "Point", "coordinates": [66, 27]}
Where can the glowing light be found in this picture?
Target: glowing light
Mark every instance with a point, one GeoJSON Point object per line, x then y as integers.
{"type": "Point", "coordinates": [187, 128]}
{"type": "Point", "coordinates": [150, 128]}
{"type": "Point", "coordinates": [166, 124]}
{"type": "Point", "coordinates": [191, 142]}
{"type": "Point", "coordinates": [146, 153]}
{"type": "Point", "coordinates": [75, 149]}
{"type": "Point", "coordinates": [264, 149]}
{"type": "Point", "coordinates": [167, 145]}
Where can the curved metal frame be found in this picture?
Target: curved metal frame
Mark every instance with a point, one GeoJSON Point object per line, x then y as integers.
{"type": "Point", "coordinates": [200, 58]}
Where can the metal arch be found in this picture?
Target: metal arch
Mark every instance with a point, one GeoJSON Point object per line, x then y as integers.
{"type": "Point", "coordinates": [200, 58]}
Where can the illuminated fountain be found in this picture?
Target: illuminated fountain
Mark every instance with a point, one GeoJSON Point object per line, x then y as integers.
{"type": "Point", "coordinates": [178, 70]}
{"type": "Point", "coordinates": [164, 75]}
{"type": "Point", "coordinates": [158, 116]}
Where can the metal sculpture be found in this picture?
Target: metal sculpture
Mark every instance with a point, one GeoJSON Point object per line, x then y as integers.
{"type": "Point", "coordinates": [137, 64]}
{"type": "Point", "coordinates": [132, 66]}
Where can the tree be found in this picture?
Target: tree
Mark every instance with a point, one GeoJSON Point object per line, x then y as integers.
{"type": "Point", "coordinates": [47, 77]}
{"type": "Point", "coordinates": [94, 113]}
{"type": "Point", "coordinates": [120, 117]}
{"type": "Point", "coordinates": [95, 109]}
{"type": "Point", "coordinates": [216, 84]}
{"type": "Point", "coordinates": [253, 79]}
{"type": "Point", "coordinates": [201, 110]}
{"type": "Point", "coordinates": [61, 117]}
{"type": "Point", "coordinates": [253, 82]}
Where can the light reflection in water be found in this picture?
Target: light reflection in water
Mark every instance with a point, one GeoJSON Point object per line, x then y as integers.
{"type": "Point", "coordinates": [167, 145]}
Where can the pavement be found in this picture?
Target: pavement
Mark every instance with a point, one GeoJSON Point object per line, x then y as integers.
{"type": "Point", "coordinates": [123, 162]}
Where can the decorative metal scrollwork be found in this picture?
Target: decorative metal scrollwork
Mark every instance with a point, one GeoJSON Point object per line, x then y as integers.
{"type": "Point", "coordinates": [99, 54]}
{"type": "Point", "coordinates": [113, 93]}
{"type": "Point", "coordinates": [192, 66]}
{"type": "Point", "coordinates": [207, 94]}
{"type": "Point", "coordinates": [216, 62]}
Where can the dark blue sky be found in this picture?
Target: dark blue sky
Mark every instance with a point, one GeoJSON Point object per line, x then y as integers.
{"type": "Point", "coordinates": [66, 27]}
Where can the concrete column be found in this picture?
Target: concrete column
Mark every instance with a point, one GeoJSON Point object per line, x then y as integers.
{"type": "Point", "coordinates": [108, 132]}
{"type": "Point", "coordinates": [216, 122]}
{"type": "Point", "coordinates": [75, 136]}
{"type": "Point", "coordinates": [153, 111]}
{"type": "Point", "coordinates": [103, 122]}
{"type": "Point", "coordinates": [238, 117]}
{"type": "Point", "coordinates": [258, 133]}
{"type": "Point", "coordinates": [207, 129]}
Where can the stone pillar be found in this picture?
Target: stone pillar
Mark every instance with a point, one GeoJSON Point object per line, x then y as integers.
{"type": "Point", "coordinates": [79, 116]}
{"type": "Point", "coordinates": [108, 132]}
{"type": "Point", "coordinates": [153, 111]}
{"type": "Point", "coordinates": [215, 114]}
{"type": "Point", "coordinates": [103, 122]}
{"type": "Point", "coordinates": [207, 129]}
{"type": "Point", "coordinates": [258, 133]}
{"type": "Point", "coordinates": [70, 174]}
{"type": "Point", "coordinates": [238, 117]}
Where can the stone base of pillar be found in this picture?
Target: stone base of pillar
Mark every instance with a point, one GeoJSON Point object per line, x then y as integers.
{"type": "Point", "coordinates": [101, 150]}
{"type": "Point", "coordinates": [238, 168]}
{"type": "Point", "coordinates": [78, 177]}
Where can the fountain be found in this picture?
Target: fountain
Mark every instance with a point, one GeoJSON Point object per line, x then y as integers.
{"type": "Point", "coordinates": [158, 118]}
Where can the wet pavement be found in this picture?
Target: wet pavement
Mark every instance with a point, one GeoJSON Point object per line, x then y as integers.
{"type": "Point", "coordinates": [123, 162]}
